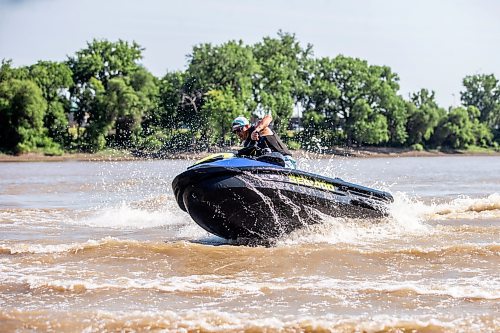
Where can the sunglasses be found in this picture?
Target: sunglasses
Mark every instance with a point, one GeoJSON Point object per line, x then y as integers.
{"type": "Point", "coordinates": [238, 130]}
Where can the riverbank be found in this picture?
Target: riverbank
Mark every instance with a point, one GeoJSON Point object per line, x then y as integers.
{"type": "Point", "coordinates": [114, 155]}
{"type": "Point", "coordinates": [365, 152]}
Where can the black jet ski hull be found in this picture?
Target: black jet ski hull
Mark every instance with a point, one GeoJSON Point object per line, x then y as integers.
{"type": "Point", "coordinates": [268, 202]}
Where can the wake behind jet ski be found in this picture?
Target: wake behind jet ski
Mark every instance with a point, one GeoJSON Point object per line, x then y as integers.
{"type": "Point", "coordinates": [258, 198]}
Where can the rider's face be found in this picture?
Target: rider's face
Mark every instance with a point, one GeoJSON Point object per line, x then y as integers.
{"type": "Point", "coordinates": [241, 133]}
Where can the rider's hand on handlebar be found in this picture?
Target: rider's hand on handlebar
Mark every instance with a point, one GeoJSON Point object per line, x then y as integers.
{"type": "Point", "coordinates": [255, 135]}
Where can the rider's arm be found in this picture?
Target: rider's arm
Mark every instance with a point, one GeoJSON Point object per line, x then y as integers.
{"type": "Point", "coordinates": [264, 123]}
{"type": "Point", "coordinates": [262, 128]}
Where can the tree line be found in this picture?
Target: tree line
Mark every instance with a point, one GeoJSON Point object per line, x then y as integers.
{"type": "Point", "coordinates": [103, 97]}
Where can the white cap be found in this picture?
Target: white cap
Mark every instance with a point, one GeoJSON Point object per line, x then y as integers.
{"type": "Point", "coordinates": [239, 122]}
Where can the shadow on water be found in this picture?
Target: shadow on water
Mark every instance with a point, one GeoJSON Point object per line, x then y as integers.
{"type": "Point", "coordinates": [216, 241]}
{"type": "Point", "coordinates": [208, 240]}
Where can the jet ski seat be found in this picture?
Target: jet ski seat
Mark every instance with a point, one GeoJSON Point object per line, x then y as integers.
{"type": "Point", "coordinates": [273, 158]}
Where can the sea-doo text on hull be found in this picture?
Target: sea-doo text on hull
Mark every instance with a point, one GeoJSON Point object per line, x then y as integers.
{"type": "Point", "coordinates": [239, 197]}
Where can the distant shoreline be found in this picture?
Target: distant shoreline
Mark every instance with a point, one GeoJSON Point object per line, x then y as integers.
{"type": "Point", "coordinates": [377, 152]}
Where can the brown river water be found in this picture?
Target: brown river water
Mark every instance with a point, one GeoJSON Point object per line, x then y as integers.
{"type": "Point", "coordinates": [103, 247]}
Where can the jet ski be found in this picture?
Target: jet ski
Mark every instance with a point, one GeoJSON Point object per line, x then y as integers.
{"type": "Point", "coordinates": [258, 198]}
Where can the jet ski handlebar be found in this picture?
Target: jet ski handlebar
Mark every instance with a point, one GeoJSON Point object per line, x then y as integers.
{"type": "Point", "coordinates": [254, 149]}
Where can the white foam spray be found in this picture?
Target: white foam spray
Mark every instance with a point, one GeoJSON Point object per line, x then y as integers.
{"type": "Point", "coordinates": [408, 217]}
{"type": "Point", "coordinates": [126, 217]}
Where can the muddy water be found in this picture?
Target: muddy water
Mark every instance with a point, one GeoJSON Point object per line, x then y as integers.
{"type": "Point", "coordinates": [102, 246]}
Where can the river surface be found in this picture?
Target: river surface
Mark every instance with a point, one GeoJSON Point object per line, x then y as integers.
{"type": "Point", "coordinates": [103, 246]}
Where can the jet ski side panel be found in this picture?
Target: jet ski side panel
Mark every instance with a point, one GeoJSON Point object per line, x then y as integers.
{"type": "Point", "coordinates": [265, 202]}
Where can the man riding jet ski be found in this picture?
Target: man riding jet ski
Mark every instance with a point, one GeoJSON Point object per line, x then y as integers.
{"type": "Point", "coordinates": [261, 139]}
{"type": "Point", "coordinates": [257, 194]}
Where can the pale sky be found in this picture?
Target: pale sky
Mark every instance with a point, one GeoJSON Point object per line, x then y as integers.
{"type": "Point", "coordinates": [431, 44]}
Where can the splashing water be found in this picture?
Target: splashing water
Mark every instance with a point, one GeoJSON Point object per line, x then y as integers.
{"type": "Point", "coordinates": [126, 217]}
{"type": "Point", "coordinates": [408, 217]}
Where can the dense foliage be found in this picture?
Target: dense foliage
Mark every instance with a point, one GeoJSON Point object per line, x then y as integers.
{"type": "Point", "coordinates": [103, 97]}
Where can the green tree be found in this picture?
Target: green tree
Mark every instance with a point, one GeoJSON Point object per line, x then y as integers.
{"type": "Point", "coordinates": [351, 94]}
{"type": "Point", "coordinates": [314, 124]}
{"type": "Point", "coordinates": [90, 112]}
{"type": "Point", "coordinates": [55, 80]}
{"type": "Point", "coordinates": [483, 92]}
{"type": "Point", "coordinates": [423, 116]}
{"type": "Point", "coordinates": [122, 111]}
{"type": "Point", "coordinates": [279, 83]}
{"type": "Point", "coordinates": [117, 111]}
{"type": "Point", "coordinates": [166, 115]}
{"type": "Point", "coordinates": [223, 107]}
{"type": "Point", "coordinates": [389, 103]}
{"type": "Point", "coordinates": [22, 109]}
{"type": "Point", "coordinates": [461, 128]}
{"type": "Point", "coordinates": [227, 68]}
{"type": "Point", "coordinates": [370, 127]}
{"type": "Point", "coordinates": [8, 72]}
{"type": "Point", "coordinates": [104, 60]}
{"type": "Point", "coordinates": [146, 85]}
{"type": "Point", "coordinates": [161, 123]}
{"type": "Point", "coordinates": [319, 100]}
{"type": "Point", "coordinates": [230, 65]}
{"type": "Point", "coordinates": [112, 92]}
